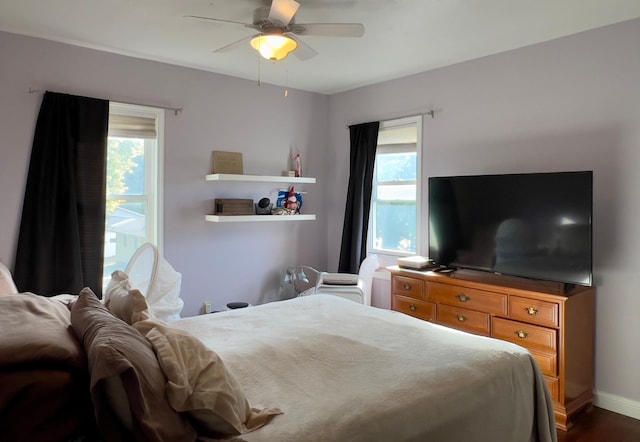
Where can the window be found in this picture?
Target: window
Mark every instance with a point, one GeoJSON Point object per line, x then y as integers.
{"type": "Point", "coordinates": [394, 228]}
{"type": "Point", "coordinates": [134, 177]}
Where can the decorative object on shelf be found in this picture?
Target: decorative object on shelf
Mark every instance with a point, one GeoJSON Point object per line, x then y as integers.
{"type": "Point", "coordinates": [290, 201]}
{"type": "Point", "coordinates": [291, 204]}
{"type": "Point", "coordinates": [295, 162]}
{"type": "Point", "coordinates": [264, 206]}
{"type": "Point", "coordinates": [297, 165]}
{"type": "Point", "coordinates": [233, 207]}
{"type": "Point", "coordinates": [227, 162]}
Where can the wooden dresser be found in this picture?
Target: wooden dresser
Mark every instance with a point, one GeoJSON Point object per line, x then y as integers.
{"type": "Point", "coordinates": [556, 327]}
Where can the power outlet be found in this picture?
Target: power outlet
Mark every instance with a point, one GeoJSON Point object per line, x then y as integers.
{"type": "Point", "coordinates": [206, 307]}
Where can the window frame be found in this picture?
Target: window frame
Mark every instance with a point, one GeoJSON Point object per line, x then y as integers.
{"type": "Point", "coordinates": [154, 170]}
{"type": "Point", "coordinates": [398, 148]}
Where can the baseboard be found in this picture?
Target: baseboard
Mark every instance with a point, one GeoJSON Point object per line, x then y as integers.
{"type": "Point", "coordinates": [617, 404]}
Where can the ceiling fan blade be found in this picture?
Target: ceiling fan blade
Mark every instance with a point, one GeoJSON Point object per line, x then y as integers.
{"type": "Point", "coordinates": [219, 20]}
{"type": "Point", "coordinates": [283, 10]}
{"type": "Point", "coordinates": [329, 4]}
{"type": "Point", "coordinates": [329, 29]}
{"type": "Point", "coordinates": [235, 44]}
{"type": "Point", "coordinates": [303, 51]}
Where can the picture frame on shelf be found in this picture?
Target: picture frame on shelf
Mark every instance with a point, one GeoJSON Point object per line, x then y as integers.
{"type": "Point", "coordinates": [227, 162]}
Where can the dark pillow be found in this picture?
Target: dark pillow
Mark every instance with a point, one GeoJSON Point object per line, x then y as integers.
{"type": "Point", "coordinates": [127, 384]}
{"type": "Point", "coordinates": [36, 333]}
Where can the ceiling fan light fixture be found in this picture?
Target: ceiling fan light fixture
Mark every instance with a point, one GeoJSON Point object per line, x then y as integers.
{"type": "Point", "coordinates": [274, 47]}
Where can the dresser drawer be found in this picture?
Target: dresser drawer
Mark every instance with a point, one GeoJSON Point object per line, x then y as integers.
{"type": "Point", "coordinates": [534, 311]}
{"type": "Point", "coordinates": [479, 300]}
{"type": "Point", "coordinates": [413, 307]}
{"type": "Point", "coordinates": [463, 319]}
{"type": "Point", "coordinates": [406, 286]}
{"type": "Point", "coordinates": [530, 336]}
{"type": "Point", "coordinates": [547, 361]}
{"type": "Point", "coordinates": [554, 387]}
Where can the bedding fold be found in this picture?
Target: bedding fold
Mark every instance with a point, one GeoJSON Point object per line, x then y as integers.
{"type": "Point", "coordinates": [199, 384]}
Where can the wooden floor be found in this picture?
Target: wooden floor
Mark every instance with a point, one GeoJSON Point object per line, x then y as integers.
{"type": "Point", "coordinates": [599, 425]}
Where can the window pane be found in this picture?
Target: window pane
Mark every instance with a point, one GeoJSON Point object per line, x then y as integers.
{"type": "Point", "coordinates": [133, 182]}
{"type": "Point", "coordinates": [126, 230]}
{"type": "Point", "coordinates": [394, 219]}
{"type": "Point", "coordinates": [396, 167]}
{"type": "Point", "coordinates": [125, 166]}
{"type": "Point", "coordinates": [395, 226]}
{"type": "Point", "coordinates": [403, 192]}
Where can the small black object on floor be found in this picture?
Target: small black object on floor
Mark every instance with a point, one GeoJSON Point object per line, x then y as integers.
{"type": "Point", "coordinates": [236, 305]}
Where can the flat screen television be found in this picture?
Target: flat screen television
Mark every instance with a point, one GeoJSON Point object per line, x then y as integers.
{"type": "Point", "coordinates": [534, 225]}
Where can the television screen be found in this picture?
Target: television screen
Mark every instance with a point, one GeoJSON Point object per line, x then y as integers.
{"type": "Point", "coordinates": [529, 225]}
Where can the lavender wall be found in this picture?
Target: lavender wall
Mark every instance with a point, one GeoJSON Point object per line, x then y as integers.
{"type": "Point", "coordinates": [569, 104]}
{"type": "Point", "coordinates": [219, 262]}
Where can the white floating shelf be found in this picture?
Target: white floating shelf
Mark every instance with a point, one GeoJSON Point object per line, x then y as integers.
{"type": "Point", "coordinates": [259, 178]}
{"type": "Point", "coordinates": [257, 218]}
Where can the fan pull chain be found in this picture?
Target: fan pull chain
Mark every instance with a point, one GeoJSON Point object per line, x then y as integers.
{"type": "Point", "coordinates": [286, 78]}
{"type": "Point", "coordinates": [258, 58]}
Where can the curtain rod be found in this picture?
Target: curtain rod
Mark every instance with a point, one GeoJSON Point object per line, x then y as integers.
{"type": "Point", "coordinates": [431, 113]}
{"type": "Point", "coordinates": [175, 110]}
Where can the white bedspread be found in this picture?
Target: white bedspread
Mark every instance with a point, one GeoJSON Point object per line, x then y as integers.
{"type": "Point", "coordinates": [341, 371]}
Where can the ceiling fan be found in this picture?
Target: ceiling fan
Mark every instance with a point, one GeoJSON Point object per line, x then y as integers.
{"type": "Point", "coordinates": [278, 31]}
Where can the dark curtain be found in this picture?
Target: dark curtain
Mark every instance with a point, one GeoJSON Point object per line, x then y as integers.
{"type": "Point", "coordinates": [364, 139]}
{"type": "Point", "coordinates": [61, 241]}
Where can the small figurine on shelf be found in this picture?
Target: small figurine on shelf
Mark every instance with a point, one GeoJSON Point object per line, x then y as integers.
{"type": "Point", "coordinates": [297, 165]}
{"type": "Point", "coordinates": [296, 162]}
{"type": "Point", "coordinates": [291, 204]}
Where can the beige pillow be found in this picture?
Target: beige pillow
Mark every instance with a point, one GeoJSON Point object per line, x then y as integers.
{"type": "Point", "coordinates": [127, 384]}
{"type": "Point", "coordinates": [199, 384]}
{"type": "Point", "coordinates": [119, 281]}
{"type": "Point", "coordinates": [127, 304]}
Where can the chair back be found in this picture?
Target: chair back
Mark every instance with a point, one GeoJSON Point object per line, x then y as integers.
{"type": "Point", "coordinates": [367, 268]}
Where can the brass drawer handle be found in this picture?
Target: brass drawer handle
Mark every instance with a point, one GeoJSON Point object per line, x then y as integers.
{"type": "Point", "coordinates": [407, 286]}
{"type": "Point", "coordinates": [413, 308]}
{"type": "Point", "coordinates": [531, 311]}
{"type": "Point", "coordinates": [461, 318]}
{"type": "Point", "coordinates": [463, 298]}
{"type": "Point", "coordinates": [522, 334]}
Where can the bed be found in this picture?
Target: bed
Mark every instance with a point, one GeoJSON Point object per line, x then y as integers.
{"type": "Point", "coordinates": [315, 368]}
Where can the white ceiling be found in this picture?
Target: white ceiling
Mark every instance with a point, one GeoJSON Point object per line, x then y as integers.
{"type": "Point", "coordinates": [402, 37]}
